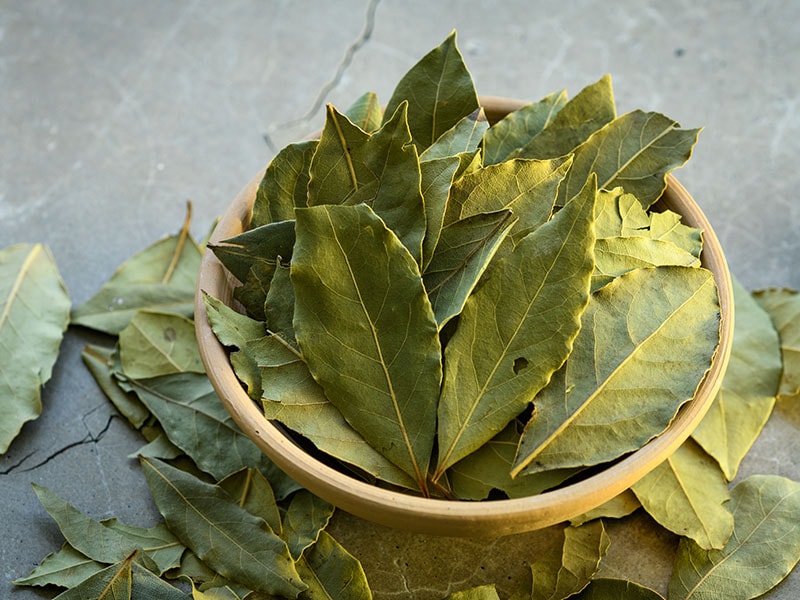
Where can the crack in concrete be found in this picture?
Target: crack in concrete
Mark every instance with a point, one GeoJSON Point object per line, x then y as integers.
{"type": "Point", "coordinates": [89, 438]}
{"type": "Point", "coordinates": [350, 52]}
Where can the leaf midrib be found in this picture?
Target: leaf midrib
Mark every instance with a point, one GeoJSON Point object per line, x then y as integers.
{"type": "Point", "coordinates": [13, 293]}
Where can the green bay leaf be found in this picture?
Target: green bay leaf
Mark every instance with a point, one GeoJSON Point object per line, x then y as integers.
{"type": "Point", "coordinates": [763, 549]}
{"type": "Point", "coordinates": [588, 111]}
{"type": "Point", "coordinates": [436, 178]}
{"type": "Point", "coordinates": [258, 248]}
{"type": "Point", "coordinates": [747, 395]}
{"type": "Point", "coordinates": [284, 185]}
{"type": "Point", "coordinates": [634, 151]}
{"type": "Point", "coordinates": [687, 494]}
{"type": "Point", "coordinates": [155, 344]}
{"type": "Point", "coordinates": [663, 315]}
{"type": "Point", "coordinates": [462, 255]}
{"type": "Point", "coordinates": [367, 331]}
{"type": "Point", "coordinates": [304, 520]}
{"type": "Point", "coordinates": [463, 137]}
{"type": "Point", "coordinates": [515, 330]}
{"type": "Point", "coordinates": [439, 90]}
{"type": "Point", "coordinates": [365, 112]}
{"type": "Point", "coordinates": [506, 137]}
{"type": "Point", "coordinates": [619, 506]}
{"type": "Point", "coordinates": [332, 573]}
{"type": "Point", "coordinates": [569, 564]}
{"type": "Point", "coordinates": [65, 568]}
{"type": "Point", "coordinates": [225, 536]}
{"type": "Point", "coordinates": [783, 306]}
{"type": "Point", "coordinates": [34, 313]}
{"type": "Point", "coordinates": [253, 493]}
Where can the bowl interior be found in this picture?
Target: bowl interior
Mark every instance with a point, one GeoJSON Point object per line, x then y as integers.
{"type": "Point", "coordinates": [441, 517]}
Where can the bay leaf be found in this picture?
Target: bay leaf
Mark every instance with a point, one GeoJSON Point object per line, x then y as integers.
{"type": "Point", "coordinates": [478, 474]}
{"type": "Point", "coordinates": [481, 592]}
{"type": "Point", "coordinates": [252, 294]}
{"type": "Point", "coordinates": [195, 421]}
{"type": "Point", "coordinates": [461, 257]}
{"type": "Point", "coordinates": [109, 541]}
{"type": "Point", "coordinates": [506, 137]}
{"type": "Point", "coordinates": [747, 395]}
{"type": "Point", "coordinates": [101, 363]}
{"type": "Point", "coordinates": [225, 536]}
{"type": "Point", "coordinates": [439, 90]}
{"type": "Point", "coordinates": [65, 568]}
{"type": "Point", "coordinates": [279, 305]}
{"type": "Point", "coordinates": [365, 112]}
{"type": "Point", "coordinates": [158, 447]}
{"type": "Point", "coordinates": [666, 225]}
{"type": "Point", "coordinates": [663, 315]}
{"type": "Point", "coordinates": [381, 170]}
{"type": "Point", "coordinates": [34, 314]}
{"type": "Point", "coordinates": [154, 344]}
{"type": "Point", "coordinates": [366, 330]}
{"type": "Point", "coordinates": [763, 549]}
{"type": "Point", "coordinates": [619, 506]}
{"type": "Point", "coordinates": [205, 578]}
{"type": "Point", "coordinates": [304, 521]}
{"type": "Point", "coordinates": [569, 564]}
{"type": "Point", "coordinates": [526, 187]}
{"type": "Point", "coordinates": [266, 245]}
{"type": "Point", "coordinates": [783, 306]}
{"type": "Point", "coordinates": [125, 580]}
{"type": "Point", "coordinates": [634, 151]}
{"type": "Point", "coordinates": [614, 589]}
{"type": "Point", "coordinates": [436, 177]}
{"type": "Point", "coordinates": [253, 493]}
{"type": "Point", "coordinates": [516, 330]}
{"type": "Point", "coordinates": [332, 572]}
{"type": "Point", "coordinates": [216, 593]}
{"type": "Point", "coordinates": [160, 277]}
{"type": "Point", "coordinates": [616, 256]}
{"type": "Point", "coordinates": [464, 136]}
{"type": "Point", "coordinates": [588, 111]}
{"type": "Point", "coordinates": [687, 494]}
{"type": "Point", "coordinates": [284, 184]}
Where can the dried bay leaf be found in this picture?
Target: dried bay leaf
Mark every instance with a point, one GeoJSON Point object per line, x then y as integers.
{"type": "Point", "coordinates": [687, 494]}
{"type": "Point", "coordinates": [747, 395]}
{"type": "Point", "coordinates": [588, 111]}
{"type": "Point", "coordinates": [332, 572]}
{"type": "Point", "coordinates": [279, 305]}
{"type": "Point", "coordinates": [65, 568]}
{"type": "Point", "coordinates": [614, 589]}
{"type": "Point", "coordinates": [478, 474]}
{"type": "Point", "coordinates": [34, 314]}
{"type": "Point", "coordinates": [154, 344]}
{"type": "Point", "coordinates": [252, 294]}
{"type": "Point", "coordinates": [110, 541]}
{"type": "Point", "coordinates": [481, 592]}
{"type": "Point", "coordinates": [763, 549]}
{"type": "Point", "coordinates": [569, 564]}
{"type": "Point", "coordinates": [463, 137]}
{"type": "Point", "coordinates": [526, 187]}
{"type": "Point", "coordinates": [616, 256]}
{"type": "Point", "coordinates": [366, 113]}
{"type": "Point", "coordinates": [619, 506]}
{"type": "Point", "coordinates": [368, 333]}
{"type": "Point", "coordinates": [225, 536]}
{"type": "Point", "coordinates": [464, 251]}
{"type": "Point", "coordinates": [381, 170]}
{"type": "Point", "coordinates": [260, 248]}
{"type": "Point", "coordinates": [253, 493]}
{"type": "Point", "coordinates": [634, 151]}
{"type": "Point", "coordinates": [436, 178]}
{"type": "Point", "coordinates": [439, 90]}
{"type": "Point", "coordinates": [506, 137]}
{"type": "Point", "coordinates": [516, 330]}
{"type": "Point", "coordinates": [284, 184]}
{"type": "Point", "coordinates": [304, 520]}
{"type": "Point", "coordinates": [783, 306]}
{"type": "Point", "coordinates": [161, 277]}
{"type": "Point", "coordinates": [663, 315]}
{"type": "Point", "coordinates": [195, 421]}
{"type": "Point", "coordinates": [125, 580]}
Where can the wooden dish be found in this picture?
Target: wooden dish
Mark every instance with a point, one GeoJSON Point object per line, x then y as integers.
{"type": "Point", "coordinates": [491, 518]}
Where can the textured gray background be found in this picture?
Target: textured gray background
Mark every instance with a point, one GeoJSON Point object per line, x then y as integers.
{"type": "Point", "coordinates": [113, 114]}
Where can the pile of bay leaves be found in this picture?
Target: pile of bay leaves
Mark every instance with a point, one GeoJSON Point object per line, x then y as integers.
{"type": "Point", "coordinates": [235, 527]}
{"type": "Point", "coordinates": [429, 286]}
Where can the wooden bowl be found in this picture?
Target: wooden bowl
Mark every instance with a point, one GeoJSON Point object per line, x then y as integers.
{"type": "Point", "coordinates": [491, 518]}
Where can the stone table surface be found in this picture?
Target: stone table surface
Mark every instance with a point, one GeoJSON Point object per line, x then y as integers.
{"type": "Point", "coordinates": [114, 114]}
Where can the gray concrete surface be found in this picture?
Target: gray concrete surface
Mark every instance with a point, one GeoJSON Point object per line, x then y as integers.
{"type": "Point", "coordinates": [113, 114]}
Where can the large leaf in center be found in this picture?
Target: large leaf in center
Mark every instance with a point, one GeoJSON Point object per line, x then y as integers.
{"type": "Point", "coordinates": [367, 331]}
{"type": "Point", "coordinates": [516, 330]}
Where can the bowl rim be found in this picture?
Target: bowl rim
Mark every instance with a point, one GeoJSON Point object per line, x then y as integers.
{"type": "Point", "coordinates": [486, 518]}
